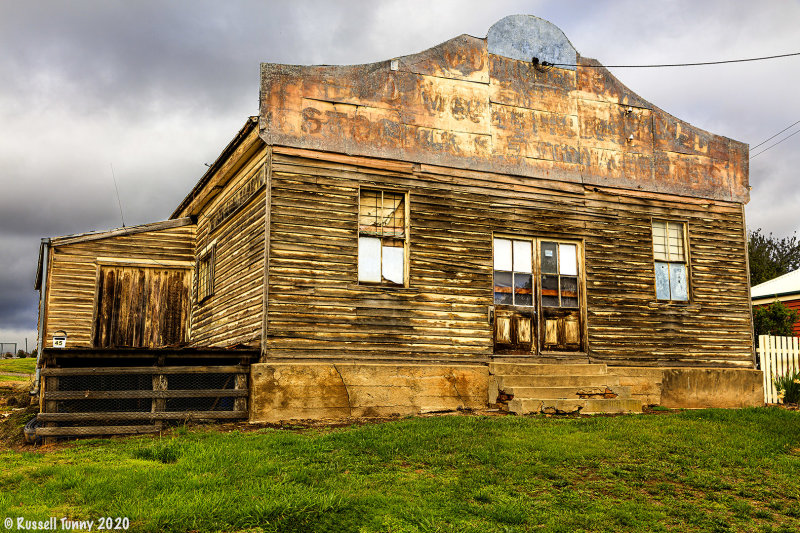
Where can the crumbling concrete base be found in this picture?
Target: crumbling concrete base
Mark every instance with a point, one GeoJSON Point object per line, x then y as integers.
{"type": "Point", "coordinates": [299, 391]}
{"type": "Point", "coordinates": [728, 388]}
{"type": "Point", "coordinates": [323, 390]}
{"type": "Point", "coordinates": [693, 388]}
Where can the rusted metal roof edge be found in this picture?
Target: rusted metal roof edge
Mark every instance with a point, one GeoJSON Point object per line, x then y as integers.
{"type": "Point", "coordinates": [130, 230]}
{"type": "Point", "coordinates": [37, 281]}
{"type": "Point", "coordinates": [250, 124]}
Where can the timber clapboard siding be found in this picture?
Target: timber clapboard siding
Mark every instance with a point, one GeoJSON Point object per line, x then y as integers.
{"type": "Point", "coordinates": [233, 314]}
{"type": "Point", "coordinates": [74, 270]}
{"type": "Point", "coordinates": [483, 145]}
{"type": "Point", "coordinates": [317, 309]}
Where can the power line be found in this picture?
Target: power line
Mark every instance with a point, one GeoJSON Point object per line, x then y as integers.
{"type": "Point", "coordinates": [548, 64]}
{"type": "Point", "coordinates": [774, 145]}
{"type": "Point", "coordinates": [784, 129]}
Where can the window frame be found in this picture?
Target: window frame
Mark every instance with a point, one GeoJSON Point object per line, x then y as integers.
{"type": "Point", "coordinates": [385, 283]}
{"type": "Point", "coordinates": [536, 270]}
{"type": "Point", "coordinates": [537, 309]}
{"type": "Point", "coordinates": [578, 271]}
{"type": "Point", "coordinates": [208, 254]}
{"type": "Point", "coordinates": [686, 260]}
{"type": "Point", "coordinates": [532, 273]}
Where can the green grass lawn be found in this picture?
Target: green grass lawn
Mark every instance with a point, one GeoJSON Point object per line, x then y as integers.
{"type": "Point", "coordinates": [21, 366]}
{"type": "Point", "coordinates": [21, 379]}
{"type": "Point", "coordinates": [710, 470]}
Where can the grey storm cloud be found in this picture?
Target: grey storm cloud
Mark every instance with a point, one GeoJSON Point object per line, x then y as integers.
{"type": "Point", "coordinates": [157, 89]}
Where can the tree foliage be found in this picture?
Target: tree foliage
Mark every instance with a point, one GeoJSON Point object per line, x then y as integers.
{"type": "Point", "coordinates": [774, 319]}
{"type": "Point", "coordinates": [771, 257]}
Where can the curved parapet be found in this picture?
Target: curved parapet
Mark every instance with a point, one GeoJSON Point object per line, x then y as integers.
{"type": "Point", "coordinates": [481, 104]}
{"type": "Point", "coordinates": [525, 37]}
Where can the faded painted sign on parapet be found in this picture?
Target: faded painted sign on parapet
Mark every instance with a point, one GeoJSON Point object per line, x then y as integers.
{"type": "Point", "coordinates": [457, 105]}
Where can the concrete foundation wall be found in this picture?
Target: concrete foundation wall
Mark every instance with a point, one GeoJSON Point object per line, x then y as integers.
{"type": "Point", "coordinates": [320, 390]}
{"type": "Point", "coordinates": [644, 382]}
{"type": "Point", "coordinates": [693, 388]}
{"type": "Point", "coordinates": [728, 388]}
{"type": "Point", "coordinates": [295, 391]}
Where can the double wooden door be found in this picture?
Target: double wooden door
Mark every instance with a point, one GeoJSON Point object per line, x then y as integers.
{"type": "Point", "coordinates": [141, 307]}
{"type": "Point", "coordinates": [538, 296]}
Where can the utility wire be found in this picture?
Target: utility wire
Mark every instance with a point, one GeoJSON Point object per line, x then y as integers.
{"type": "Point", "coordinates": [548, 64]}
{"type": "Point", "coordinates": [774, 145]}
{"type": "Point", "coordinates": [784, 129]}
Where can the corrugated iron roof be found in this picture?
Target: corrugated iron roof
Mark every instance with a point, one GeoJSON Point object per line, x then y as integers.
{"type": "Point", "coordinates": [780, 286]}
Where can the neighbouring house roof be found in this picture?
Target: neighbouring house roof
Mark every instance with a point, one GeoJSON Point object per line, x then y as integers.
{"type": "Point", "coordinates": [786, 285]}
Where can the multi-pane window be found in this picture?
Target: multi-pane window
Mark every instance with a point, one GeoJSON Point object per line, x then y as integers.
{"type": "Point", "coordinates": [513, 272]}
{"type": "Point", "coordinates": [205, 275]}
{"type": "Point", "coordinates": [559, 270]}
{"type": "Point", "coordinates": [537, 295]}
{"type": "Point", "coordinates": [669, 254]}
{"type": "Point", "coordinates": [382, 237]}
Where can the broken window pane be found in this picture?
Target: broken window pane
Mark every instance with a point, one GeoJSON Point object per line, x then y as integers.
{"type": "Point", "coordinates": [659, 240]}
{"type": "Point", "coordinates": [382, 213]}
{"type": "Point", "coordinates": [549, 257]}
{"type": "Point", "coordinates": [568, 259]}
{"type": "Point", "coordinates": [522, 256]}
{"type": "Point", "coordinates": [675, 241]}
{"type": "Point", "coordinates": [382, 231]}
{"type": "Point", "coordinates": [569, 291]}
{"type": "Point", "coordinates": [502, 288]}
{"type": "Point", "coordinates": [550, 291]}
{"type": "Point", "coordinates": [369, 212]}
{"type": "Point", "coordinates": [393, 261]}
{"type": "Point", "coordinates": [369, 259]}
{"type": "Point", "coordinates": [662, 280]}
{"type": "Point", "coordinates": [393, 215]}
{"type": "Point", "coordinates": [677, 282]}
{"type": "Point", "coordinates": [523, 290]}
{"type": "Point", "coordinates": [502, 254]}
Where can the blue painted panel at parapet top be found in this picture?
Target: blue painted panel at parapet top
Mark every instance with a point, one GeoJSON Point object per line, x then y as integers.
{"type": "Point", "coordinates": [524, 37]}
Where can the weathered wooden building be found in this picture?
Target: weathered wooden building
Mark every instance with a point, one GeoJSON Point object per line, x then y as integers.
{"type": "Point", "coordinates": [490, 221]}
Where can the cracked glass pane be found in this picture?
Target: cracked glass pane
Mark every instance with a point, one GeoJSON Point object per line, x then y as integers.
{"type": "Point", "coordinates": [677, 282]}
{"type": "Point", "coordinates": [393, 260]}
{"type": "Point", "coordinates": [662, 280]}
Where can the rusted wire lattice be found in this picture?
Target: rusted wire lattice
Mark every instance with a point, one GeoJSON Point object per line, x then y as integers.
{"type": "Point", "coordinates": [82, 398]}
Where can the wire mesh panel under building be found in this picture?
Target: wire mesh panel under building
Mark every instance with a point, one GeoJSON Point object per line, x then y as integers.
{"type": "Point", "coordinates": [99, 392]}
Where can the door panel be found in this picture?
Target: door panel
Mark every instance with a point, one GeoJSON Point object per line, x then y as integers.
{"type": "Point", "coordinates": [502, 329]}
{"type": "Point", "coordinates": [141, 307]}
{"type": "Point", "coordinates": [562, 329]}
{"type": "Point", "coordinates": [523, 325]}
{"type": "Point", "coordinates": [513, 330]}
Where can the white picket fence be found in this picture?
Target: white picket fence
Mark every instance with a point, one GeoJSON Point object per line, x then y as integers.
{"type": "Point", "coordinates": [777, 357]}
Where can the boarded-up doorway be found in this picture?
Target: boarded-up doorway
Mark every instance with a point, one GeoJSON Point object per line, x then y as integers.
{"type": "Point", "coordinates": [141, 307]}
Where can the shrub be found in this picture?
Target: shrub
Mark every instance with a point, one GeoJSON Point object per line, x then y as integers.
{"type": "Point", "coordinates": [774, 319]}
{"type": "Point", "coordinates": [788, 387]}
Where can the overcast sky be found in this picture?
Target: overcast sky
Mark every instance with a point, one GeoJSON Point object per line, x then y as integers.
{"type": "Point", "coordinates": [157, 89]}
